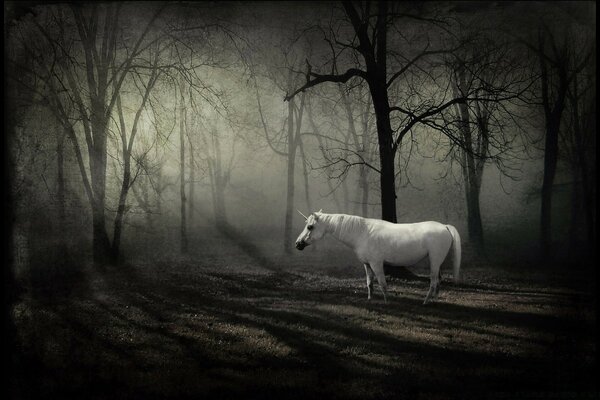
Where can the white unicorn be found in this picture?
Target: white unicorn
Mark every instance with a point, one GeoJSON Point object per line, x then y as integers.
{"type": "Point", "coordinates": [375, 241]}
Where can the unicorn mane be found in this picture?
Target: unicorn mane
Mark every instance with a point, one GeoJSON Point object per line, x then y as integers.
{"type": "Point", "coordinates": [347, 228]}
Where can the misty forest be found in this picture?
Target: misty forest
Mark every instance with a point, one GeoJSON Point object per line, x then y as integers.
{"type": "Point", "coordinates": [166, 161]}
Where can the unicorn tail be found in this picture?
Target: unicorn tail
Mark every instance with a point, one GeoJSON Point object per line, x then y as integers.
{"type": "Point", "coordinates": [456, 252]}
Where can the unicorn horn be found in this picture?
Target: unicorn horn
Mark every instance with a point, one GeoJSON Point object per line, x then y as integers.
{"type": "Point", "coordinates": [305, 217]}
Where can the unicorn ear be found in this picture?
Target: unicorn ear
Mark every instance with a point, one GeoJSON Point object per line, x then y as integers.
{"type": "Point", "coordinates": [321, 210]}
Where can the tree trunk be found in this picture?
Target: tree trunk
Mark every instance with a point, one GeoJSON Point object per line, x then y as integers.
{"type": "Point", "coordinates": [220, 182]}
{"type": "Point", "coordinates": [582, 195]}
{"type": "Point", "coordinates": [289, 209]}
{"type": "Point", "coordinates": [220, 209]}
{"type": "Point", "coordinates": [305, 175]}
{"type": "Point", "coordinates": [345, 195]}
{"type": "Point", "coordinates": [364, 170]}
{"type": "Point", "coordinates": [475, 225]}
{"type": "Point", "coordinates": [588, 187]}
{"type": "Point", "coordinates": [364, 184]}
{"type": "Point", "coordinates": [472, 169]}
{"type": "Point", "coordinates": [388, 186]}
{"type": "Point", "coordinates": [386, 153]}
{"type": "Point", "coordinates": [60, 191]}
{"type": "Point", "coordinates": [381, 105]}
{"type": "Point", "coordinates": [183, 226]}
{"type": "Point", "coordinates": [192, 184]}
{"type": "Point", "coordinates": [118, 227]}
{"type": "Point", "coordinates": [314, 127]}
{"type": "Point", "coordinates": [553, 112]}
{"type": "Point", "coordinates": [550, 161]}
{"type": "Point", "coordinates": [100, 241]}
{"type": "Point", "coordinates": [575, 214]}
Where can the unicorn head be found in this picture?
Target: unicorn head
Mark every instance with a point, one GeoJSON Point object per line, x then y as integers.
{"type": "Point", "coordinates": [313, 230]}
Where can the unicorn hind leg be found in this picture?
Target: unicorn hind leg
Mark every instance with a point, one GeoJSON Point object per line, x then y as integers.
{"type": "Point", "coordinates": [369, 273]}
{"type": "Point", "coordinates": [435, 275]}
{"type": "Point", "coordinates": [433, 290]}
{"type": "Point", "coordinates": [439, 283]}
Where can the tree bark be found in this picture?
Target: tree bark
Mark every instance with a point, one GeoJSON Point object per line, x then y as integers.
{"type": "Point", "coordinates": [550, 161]}
{"type": "Point", "coordinates": [305, 176]}
{"type": "Point", "coordinates": [219, 181]}
{"type": "Point", "coordinates": [60, 191]}
{"type": "Point", "coordinates": [473, 146]}
{"type": "Point", "coordinates": [100, 241]}
{"type": "Point", "coordinates": [118, 226]}
{"type": "Point", "coordinates": [183, 225]}
{"type": "Point", "coordinates": [377, 79]}
{"type": "Point", "coordinates": [553, 110]}
{"type": "Point", "coordinates": [291, 160]}
{"type": "Point", "coordinates": [192, 168]}
{"type": "Point", "coordinates": [386, 153]}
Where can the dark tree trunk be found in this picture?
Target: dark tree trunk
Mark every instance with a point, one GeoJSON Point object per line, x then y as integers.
{"type": "Point", "coordinates": [553, 109]}
{"type": "Point", "coordinates": [575, 216]}
{"type": "Point", "coordinates": [377, 74]}
{"type": "Point", "coordinates": [386, 157]}
{"type": "Point", "coordinates": [192, 168]}
{"type": "Point", "coordinates": [322, 147]}
{"type": "Point", "coordinates": [291, 161]}
{"type": "Point", "coordinates": [119, 217]}
{"type": "Point", "coordinates": [386, 152]}
{"type": "Point", "coordinates": [588, 187]}
{"type": "Point", "coordinates": [100, 241]}
{"type": "Point", "coordinates": [472, 168]}
{"type": "Point", "coordinates": [183, 226]}
{"type": "Point", "coordinates": [364, 170]}
{"type": "Point", "coordinates": [60, 191]}
{"type": "Point", "coordinates": [345, 195]}
{"type": "Point", "coordinates": [219, 179]}
{"type": "Point", "coordinates": [475, 225]}
{"type": "Point", "coordinates": [388, 186]}
{"type": "Point", "coordinates": [60, 198]}
{"type": "Point", "coordinates": [305, 176]}
{"type": "Point", "coordinates": [220, 209]}
{"type": "Point", "coordinates": [582, 195]}
{"type": "Point", "coordinates": [364, 184]}
{"type": "Point", "coordinates": [550, 162]}
{"type": "Point", "coordinates": [472, 187]}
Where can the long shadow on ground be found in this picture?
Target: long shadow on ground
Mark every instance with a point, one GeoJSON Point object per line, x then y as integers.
{"type": "Point", "coordinates": [144, 333]}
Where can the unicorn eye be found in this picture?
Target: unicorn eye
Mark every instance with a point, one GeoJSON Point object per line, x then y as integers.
{"type": "Point", "coordinates": [310, 227]}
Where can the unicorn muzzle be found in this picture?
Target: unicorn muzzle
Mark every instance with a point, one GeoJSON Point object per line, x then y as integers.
{"type": "Point", "coordinates": [300, 245]}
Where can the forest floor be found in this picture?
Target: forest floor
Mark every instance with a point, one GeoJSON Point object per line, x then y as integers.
{"type": "Point", "coordinates": [231, 321]}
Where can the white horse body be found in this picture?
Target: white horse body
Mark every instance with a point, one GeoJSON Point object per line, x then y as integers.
{"type": "Point", "coordinates": [376, 242]}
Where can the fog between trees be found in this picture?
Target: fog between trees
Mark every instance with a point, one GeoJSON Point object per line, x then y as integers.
{"type": "Point", "coordinates": [136, 128]}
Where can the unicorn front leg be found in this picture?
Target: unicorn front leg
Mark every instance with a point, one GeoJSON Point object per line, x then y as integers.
{"type": "Point", "coordinates": [377, 268]}
{"type": "Point", "coordinates": [369, 273]}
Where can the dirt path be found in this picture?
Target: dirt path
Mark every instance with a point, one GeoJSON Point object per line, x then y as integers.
{"type": "Point", "coordinates": [230, 322]}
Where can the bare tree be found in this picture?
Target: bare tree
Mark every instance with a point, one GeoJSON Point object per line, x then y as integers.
{"type": "Point", "coordinates": [182, 197]}
{"type": "Point", "coordinates": [578, 141]}
{"type": "Point", "coordinates": [92, 33]}
{"type": "Point", "coordinates": [489, 123]}
{"type": "Point", "coordinates": [559, 63]}
{"type": "Point", "coordinates": [368, 49]}
{"type": "Point", "coordinates": [355, 148]}
{"type": "Point", "coordinates": [290, 139]}
{"type": "Point", "coordinates": [127, 143]}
